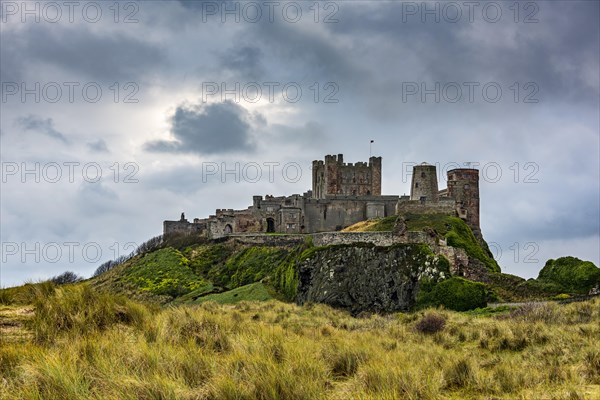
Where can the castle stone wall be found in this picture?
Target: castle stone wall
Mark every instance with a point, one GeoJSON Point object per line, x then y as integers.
{"type": "Point", "coordinates": [337, 212]}
{"type": "Point", "coordinates": [444, 206]}
{"type": "Point", "coordinates": [376, 238]}
{"type": "Point", "coordinates": [183, 227]}
{"type": "Point", "coordinates": [268, 240]}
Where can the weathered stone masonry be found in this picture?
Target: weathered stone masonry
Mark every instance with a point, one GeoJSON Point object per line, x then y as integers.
{"type": "Point", "coordinates": [343, 194]}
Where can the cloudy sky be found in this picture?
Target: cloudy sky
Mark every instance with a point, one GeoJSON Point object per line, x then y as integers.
{"type": "Point", "coordinates": [115, 118]}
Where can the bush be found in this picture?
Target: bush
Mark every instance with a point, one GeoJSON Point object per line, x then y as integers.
{"type": "Point", "coordinates": [107, 266]}
{"type": "Point", "coordinates": [65, 278]}
{"type": "Point", "coordinates": [456, 294]}
{"type": "Point", "coordinates": [571, 274]}
{"type": "Point", "coordinates": [431, 323]}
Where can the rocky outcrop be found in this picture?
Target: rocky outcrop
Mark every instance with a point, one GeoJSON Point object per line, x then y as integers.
{"type": "Point", "coordinates": [368, 278]}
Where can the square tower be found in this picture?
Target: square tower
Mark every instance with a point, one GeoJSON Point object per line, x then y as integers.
{"type": "Point", "coordinates": [333, 177]}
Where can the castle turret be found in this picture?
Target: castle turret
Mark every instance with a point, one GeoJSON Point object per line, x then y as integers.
{"type": "Point", "coordinates": [424, 183]}
{"type": "Point", "coordinates": [463, 187]}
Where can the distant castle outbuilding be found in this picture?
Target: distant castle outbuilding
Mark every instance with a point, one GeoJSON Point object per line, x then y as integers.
{"type": "Point", "coordinates": [342, 195]}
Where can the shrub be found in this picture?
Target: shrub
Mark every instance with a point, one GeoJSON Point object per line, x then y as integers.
{"type": "Point", "coordinates": [107, 266]}
{"type": "Point", "coordinates": [431, 323]}
{"type": "Point", "coordinates": [571, 274]}
{"type": "Point", "coordinates": [65, 278]}
{"type": "Point", "coordinates": [456, 294]}
{"type": "Point", "coordinates": [562, 296]}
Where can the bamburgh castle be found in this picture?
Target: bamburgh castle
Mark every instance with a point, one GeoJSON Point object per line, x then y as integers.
{"type": "Point", "coordinates": [343, 194]}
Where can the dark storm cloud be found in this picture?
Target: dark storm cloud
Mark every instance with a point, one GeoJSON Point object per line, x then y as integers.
{"type": "Point", "coordinates": [553, 52]}
{"type": "Point", "coordinates": [11, 65]}
{"type": "Point", "coordinates": [370, 52]}
{"type": "Point", "coordinates": [99, 146]}
{"type": "Point", "coordinates": [213, 129]}
{"type": "Point", "coordinates": [105, 57]}
{"type": "Point", "coordinates": [243, 60]}
{"type": "Point", "coordinates": [41, 125]}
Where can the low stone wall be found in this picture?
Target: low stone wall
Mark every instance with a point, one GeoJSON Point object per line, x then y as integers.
{"type": "Point", "coordinates": [263, 239]}
{"type": "Point", "coordinates": [332, 238]}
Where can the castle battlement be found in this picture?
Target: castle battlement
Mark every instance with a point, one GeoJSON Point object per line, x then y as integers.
{"type": "Point", "coordinates": [344, 194]}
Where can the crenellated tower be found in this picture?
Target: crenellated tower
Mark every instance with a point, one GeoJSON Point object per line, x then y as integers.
{"type": "Point", "coordinates": [334, 177]}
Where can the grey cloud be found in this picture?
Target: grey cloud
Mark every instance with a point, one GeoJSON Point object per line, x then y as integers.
{"type": "Point", "coordinates": [213, 129]}
{"type": "Point", "coordinates": [99, 146]}
{"type": "Point", "coordinates": [245, 60]}
{"type": "Point", "coordinates": [105, 57]}
{"type": "Point", "coordinates": [97, 197]}
{"type": "Point", "coordinates": [44, 126]}
{"type": "Point", "coordinates": [310, 135]}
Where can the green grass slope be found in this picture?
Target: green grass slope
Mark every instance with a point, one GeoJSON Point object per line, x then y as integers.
{"type": "Point", "coordinates": [456, 232]}
{"type": "Point", "coordinates": [159, 275]}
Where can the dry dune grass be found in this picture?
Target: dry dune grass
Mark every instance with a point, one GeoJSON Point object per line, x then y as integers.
{"type": "Point", "coordinates": [87, 345]}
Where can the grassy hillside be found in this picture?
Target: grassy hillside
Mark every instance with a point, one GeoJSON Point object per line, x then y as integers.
{"type": "Point", "coordinates": [456, 232]}
{"type": "Point", "coordinates": [193, 271]}
{"type": "Point", "coordinates": [82, 344]}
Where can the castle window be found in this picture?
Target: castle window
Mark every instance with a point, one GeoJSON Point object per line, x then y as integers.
{"type": "Point", "coordinates": [269, 209]}
{"type": "Point", "coordinates": [416, 185]}
{"type": "Point", "coordinates": [422, 174]}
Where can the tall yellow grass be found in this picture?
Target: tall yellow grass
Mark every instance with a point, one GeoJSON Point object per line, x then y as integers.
{"type": "Point", "coordinates": [92, 346]}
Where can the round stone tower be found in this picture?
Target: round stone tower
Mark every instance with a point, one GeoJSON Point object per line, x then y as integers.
{"type": "Point", "coordinates": [424, 183]}
{"type": "Point", "coordinates": [463, 186]}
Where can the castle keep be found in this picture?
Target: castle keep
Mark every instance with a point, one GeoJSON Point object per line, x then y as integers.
{"type": "Point", "coordinates": [343, 194]}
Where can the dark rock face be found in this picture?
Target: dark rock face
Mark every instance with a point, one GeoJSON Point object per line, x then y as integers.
{"type": "Point", "coordinates": [367, 278]}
